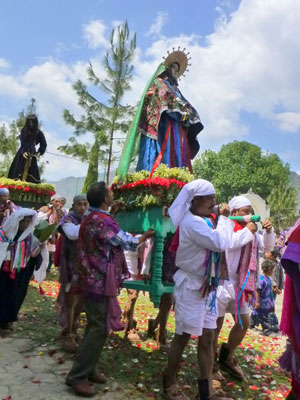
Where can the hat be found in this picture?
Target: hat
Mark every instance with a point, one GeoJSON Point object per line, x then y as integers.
{"type": "Point", "coordinates": [238, 202]}
{"type": "Point", "coordinates": [199, 187]}
{"type": "Point", "coordinates": [180, 57]}
{"type": "Point", "coordinates": [79, 197]}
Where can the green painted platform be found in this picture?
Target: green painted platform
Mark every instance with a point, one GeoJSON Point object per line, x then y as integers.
{"type": "Point", "coordinates": [138, 221]}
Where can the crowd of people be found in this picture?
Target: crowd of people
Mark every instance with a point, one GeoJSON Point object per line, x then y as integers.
{"type": "Point", "coordinates": [214, 262]}
{"type": "Point", "coordinates": [213, 259]}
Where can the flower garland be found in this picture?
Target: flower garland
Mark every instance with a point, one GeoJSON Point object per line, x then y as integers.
{"type": "Point", "coordinates": [44, 189]}
{"type": "Point", "coordinates": [142, 191]}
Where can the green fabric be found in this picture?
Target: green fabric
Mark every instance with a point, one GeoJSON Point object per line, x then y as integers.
{"type": "Point", "coordinates": [44, 230]}
{"type": "Point", "coordinates": [133, 137]}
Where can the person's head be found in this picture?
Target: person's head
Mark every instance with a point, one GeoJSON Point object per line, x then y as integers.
{"type": "Point", "coordinates": [268, 267]}
{"type": "Point", "coordinates": [203, 205]}
{"type": "Point", "coordinates": [80, 204]}
{"type": "Point", "coordinates": [56, 201]}
{"type": "Point", "coordinates": [173, 71]}
{"type": "Point", "coordinates": [197, 196]}
{"type": "Point", "coordinates": [24, 223]}
{"type": "Point", "coordinates": [100, 196]}
{"type": "Point", "coordinates": [4, 195]}
{"type": "Point", "coordinates": [240, 206]}
{"type": "Point", "coordinates": [31, 124]}
{"type": "Point", "coordinates": [272, 255]}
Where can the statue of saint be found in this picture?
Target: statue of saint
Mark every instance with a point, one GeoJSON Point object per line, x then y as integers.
{"type": "Point", "coordinates": [24, 166]}
{"type": "Point", "coordinates": [166, 125]}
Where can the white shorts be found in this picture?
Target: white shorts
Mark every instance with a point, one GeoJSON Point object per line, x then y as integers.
{"type": "Point", "coordinates": [192, 312]}
{"type": "Point", "coordinates": [226, 301]}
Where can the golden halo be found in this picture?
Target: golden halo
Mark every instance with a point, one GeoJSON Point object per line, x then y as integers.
{"type": "Point", "coordinates": [180, 57]}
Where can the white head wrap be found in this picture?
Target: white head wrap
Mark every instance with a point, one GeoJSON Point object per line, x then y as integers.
{"type": "Point", "coordinates": [4, 190]}
{"type": "Point", "coordinates": [238, 202]}
{"type": "Point", "coordinates": [11, 227]}
{"type": "Point", "coordinates": [181, 204]}
{"type": "Point", "coordinates": [56, 197]}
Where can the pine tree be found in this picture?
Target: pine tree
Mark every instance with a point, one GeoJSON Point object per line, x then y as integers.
{"type": "Point", "coordinates": [103, 118]}
{"type": "Point", "coordinates": [283, 204]}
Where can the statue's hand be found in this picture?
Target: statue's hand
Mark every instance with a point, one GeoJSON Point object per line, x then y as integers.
{"type": "Point", "coordinates": [25, 155]}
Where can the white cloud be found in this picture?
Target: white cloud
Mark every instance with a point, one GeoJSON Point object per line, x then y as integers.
{"type": "Point", "coordinates": [4, 63]}
{"type": "Point", "coordinates": [249, 64]}
{"type": "Point", "coordinates": [161, 19]}
{"type": "Point", "coordinates": [289, 121]}
{"type": "Point", "coordinates": [58, 166]}
{"type": "Point", "coordinates": [94, 34]}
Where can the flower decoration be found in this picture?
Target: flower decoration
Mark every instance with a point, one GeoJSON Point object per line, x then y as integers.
{"type": "Point", "coordinates": [140, 190]}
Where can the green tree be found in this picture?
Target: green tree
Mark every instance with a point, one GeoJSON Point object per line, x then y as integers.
{"type": "Point", "coordinates": [283, 204]}
{"type": "Point", "coordinates": [239, 166]}
{"type": "Point", "coordinates": [9, 139]}
{"type": "Point", "coordinates": [106, 117]}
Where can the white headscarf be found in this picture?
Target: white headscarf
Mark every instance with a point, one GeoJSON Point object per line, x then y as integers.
{"type": "Point", "coordinates": [11, 227]}
{"type": "Point", "coordinates": [199, 187]}
{"type": "Point", "coordinates": [238, 202]}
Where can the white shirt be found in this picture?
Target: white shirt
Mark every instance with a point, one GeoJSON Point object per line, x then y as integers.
{"type": "Point", "coordinates": [195, 238]}
{"type": "Point", "coordinates": [71, 230]}
{"type": "Point", "coordinates": [265, 242]}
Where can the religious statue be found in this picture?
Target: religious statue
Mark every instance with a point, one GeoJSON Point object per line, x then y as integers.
{"type": "Point", "coordinates": [24, 166]}
{"type": "Point", "coordinates": [166, 125]}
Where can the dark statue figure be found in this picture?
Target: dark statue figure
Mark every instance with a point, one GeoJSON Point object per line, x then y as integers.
{"type": "Point", "coordinates": [24, 166]}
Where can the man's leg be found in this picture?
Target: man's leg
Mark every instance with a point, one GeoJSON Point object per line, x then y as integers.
{"type": "Point", "coordinates": [220, 322]}
{"type": "Point", "coordinates": [236, 336]}
{"type": "Point", "coordinates": [94, 338]}
{"type": "Point", "coordinates": [174, 357]}
{"type": "Point", "coordinates": [128, 311]}
{"type": "Point", "coordinates": [205, 355]}
{"type": "Point", "coordinates": [162, 316]}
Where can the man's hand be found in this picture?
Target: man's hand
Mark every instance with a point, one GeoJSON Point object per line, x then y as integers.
{"type": "Point", "coordinates": [224, 209]}
{"type": "Point", "coordinates": [252, 227]}
{"type": "Point", "coordinates": [116, 206]}
{"type": "Point", "coordinates": [267, 225]}
{"type": "Point", "coordinates": [25, 155]}
{"type": "Point", "coordinates": [257, 305]}
{"type": "Point", "coordinates": [146, 235]}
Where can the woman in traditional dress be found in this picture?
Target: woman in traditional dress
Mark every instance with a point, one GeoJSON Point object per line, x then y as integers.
{"type": "Point", "coordinates": [24, 166]}
{"type": "Point", "coordinates": [290, 321]}
{"type": "Point", "coordinates": [15, 273]}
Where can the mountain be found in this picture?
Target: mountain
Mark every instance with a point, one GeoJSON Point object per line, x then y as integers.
{"type": "Point", "coordinates": [69, 187]}
{"type": "Point", "coordinates": [295, 181]}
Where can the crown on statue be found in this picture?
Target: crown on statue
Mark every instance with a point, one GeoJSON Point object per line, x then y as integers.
{"type": "Point", "coordinates": [179, 56]}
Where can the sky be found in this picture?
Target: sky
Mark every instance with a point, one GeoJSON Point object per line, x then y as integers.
{"type": "Point", "coordinates": [244, 77]}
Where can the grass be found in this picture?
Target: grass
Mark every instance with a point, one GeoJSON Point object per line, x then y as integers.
{"type": "Point", "coordinates": [137, 369]}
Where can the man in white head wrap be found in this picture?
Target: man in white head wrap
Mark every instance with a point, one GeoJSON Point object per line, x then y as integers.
{"type": "Point", "coordinates": [242, 240]}
{"type": "Point", "coordinates": [15, 251]}
{"type": "Point", "coordinates": [201, 239]}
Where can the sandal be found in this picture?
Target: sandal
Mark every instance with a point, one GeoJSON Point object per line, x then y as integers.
{"type": "Point", "coordinates": [133, 336]}
{"type": "Point", "coordinates": [172, 392]}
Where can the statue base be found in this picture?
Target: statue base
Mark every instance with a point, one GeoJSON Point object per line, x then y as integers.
{"type": "Point", "coordinates": [138, 221]}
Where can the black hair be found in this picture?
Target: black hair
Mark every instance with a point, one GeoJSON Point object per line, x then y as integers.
{"type": "Point", "coordinates": [96, 194]}
{"type": "Point", "coordinates": [167, 72]}
{"type": "Point", "coordinates": [267, 264]}
{"type": "Point", "coordinates": [32, 132]}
